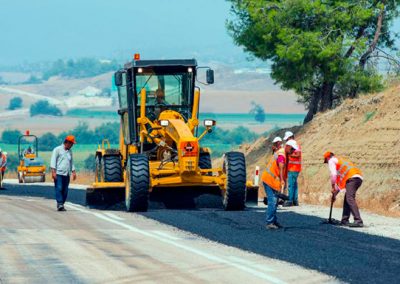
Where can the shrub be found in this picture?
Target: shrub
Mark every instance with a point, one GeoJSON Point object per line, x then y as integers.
{"type": "Point", "coordinates": [89, 163]}
{"type": "Point", "coordinates": [44, 107]}
{"type": "Point", "coordinates": [15, 103]}
{"type": "Point", "coordinates": [48, 142]}
{"type": "Point", "coordinates": [10, 136]}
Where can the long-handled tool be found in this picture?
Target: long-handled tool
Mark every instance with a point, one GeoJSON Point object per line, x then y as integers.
{"type": "Point", "coordinates": [331, 220]}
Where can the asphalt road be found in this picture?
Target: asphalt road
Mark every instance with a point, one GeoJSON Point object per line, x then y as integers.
{"type": "Point", "coordinates": [85, 245]}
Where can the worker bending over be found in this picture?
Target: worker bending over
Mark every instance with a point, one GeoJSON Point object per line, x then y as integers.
{"type": "Point", "coordinates": [345, 175]}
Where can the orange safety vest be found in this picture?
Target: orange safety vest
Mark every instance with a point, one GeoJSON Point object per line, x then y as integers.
{"type": "Point", "coordinates": [3, 162]}
{"type": "Point", "coordinates": [345, 170]}
{"type": "Point", "coordinates": [270, 175]}
{"type": "Point", "coordinates": [294, 163]}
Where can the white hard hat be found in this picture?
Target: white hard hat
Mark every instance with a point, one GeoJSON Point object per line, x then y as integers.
{"type": "Point", "coordinates": [287, 135]}
{"type": "Point", "coordinates": [277, 139]}
{"type": "Point", "coordinates": [292, 144]}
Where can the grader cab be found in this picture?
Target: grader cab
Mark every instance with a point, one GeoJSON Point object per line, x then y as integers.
{"type": "Point", "coordinates": [160, 147]}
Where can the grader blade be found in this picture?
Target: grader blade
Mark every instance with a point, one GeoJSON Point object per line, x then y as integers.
{"type": "Point", "coordinates": [105, 197]}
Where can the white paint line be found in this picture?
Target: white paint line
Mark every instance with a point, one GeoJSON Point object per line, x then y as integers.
{"type": "Point", "coordinates": [166, 235]}
{"type": "Point", "coordinates": [111, 215]}
{"type": "Point", "coordinates": [250, 263]}
{"type": "Point", "coordinates": [206, 255]}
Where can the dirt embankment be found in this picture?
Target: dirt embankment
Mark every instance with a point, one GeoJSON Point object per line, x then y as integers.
{"type": "Point", "coordinates": [364, 130]}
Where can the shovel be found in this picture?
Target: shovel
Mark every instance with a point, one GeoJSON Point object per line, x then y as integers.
{"type": "Point", "coordinates": [330, 220]}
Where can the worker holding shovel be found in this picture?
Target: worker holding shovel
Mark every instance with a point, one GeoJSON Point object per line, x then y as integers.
{"type": "Point", "coordinates": [345, 175]}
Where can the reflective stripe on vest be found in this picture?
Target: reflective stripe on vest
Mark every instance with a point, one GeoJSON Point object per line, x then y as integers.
{"type": "Point", "coordinates": [294, 164]}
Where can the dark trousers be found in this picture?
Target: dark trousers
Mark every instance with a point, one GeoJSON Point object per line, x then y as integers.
{"type": "Point", "coordinates": [61, 186]}
{"type": "Point", "coordinates": [350, 204]}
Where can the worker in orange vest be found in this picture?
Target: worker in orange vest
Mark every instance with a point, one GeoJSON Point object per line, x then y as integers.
{"type": "Point", "coordinates": [293, 169]}
{"type": "Point", "coordinates": [274, 177]}
{"type": "Point", "coordinates": [345, 175]}
{"type": "Point", "coordinates": [3, 163]}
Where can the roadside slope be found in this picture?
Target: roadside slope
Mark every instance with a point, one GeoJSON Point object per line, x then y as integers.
{"type": "Point", "coordinates": [366, 131]}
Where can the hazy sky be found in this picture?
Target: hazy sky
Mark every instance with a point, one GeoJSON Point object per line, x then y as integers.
{"type": "Point", "coordinates": [50, 29]}
{"type": "Point", "coordinates": [35, 30]}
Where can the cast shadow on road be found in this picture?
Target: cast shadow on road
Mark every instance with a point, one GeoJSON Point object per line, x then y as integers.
{"type": "Point", "coordinates": [349, 255]}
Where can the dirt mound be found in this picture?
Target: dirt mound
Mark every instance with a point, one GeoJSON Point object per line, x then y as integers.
{"type": "Point", "coordinates": [366, 131]}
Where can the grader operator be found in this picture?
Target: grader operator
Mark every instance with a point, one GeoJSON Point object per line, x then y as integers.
{"type": "Point", "coordinates": [160, 146]}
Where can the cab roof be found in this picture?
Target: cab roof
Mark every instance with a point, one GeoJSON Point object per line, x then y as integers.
{"type": "Point", "coordinates": [162, 63]}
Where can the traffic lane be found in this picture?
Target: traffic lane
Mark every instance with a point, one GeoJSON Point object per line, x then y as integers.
{"type": "Point", "coordinates": [349, 255]}
{"type": "Point", "coordinates": [40, 245]}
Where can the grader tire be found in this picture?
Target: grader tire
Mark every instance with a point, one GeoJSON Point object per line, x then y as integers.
{"type": "Point", "coordinates": [205, 161]}
{"type": "Point", "coordinates": [138, 175]}
{"type": "Point", "coordinates": [234, 166]}
{"type": "Point", "coordinates": [98, 170]}
{"type": "Point", "coordinates": [111, 168]}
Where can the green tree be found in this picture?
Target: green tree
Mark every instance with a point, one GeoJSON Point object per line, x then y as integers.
{"type": "Point", "coordinates": [44, 107]}
{"type": "Point", "coordinates": [48, 142]}
{"type": "Point", "coordinates": [15, 103]}
{"type": "Point", "coordinates": [258, 111]}
{"type": "Point", "coordinates": [323, 50]}
{"type": "Point", "coordinates": [10, 136]}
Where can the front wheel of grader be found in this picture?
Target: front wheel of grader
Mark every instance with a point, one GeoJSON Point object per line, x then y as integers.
{"type": "Point", "coordinates": [234, 198]}
{"type": "Point", "coordinates": [138, 183]}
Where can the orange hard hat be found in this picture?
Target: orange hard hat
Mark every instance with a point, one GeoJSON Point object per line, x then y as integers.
{"type": "Point", "coordinates": [70, 138]}
{"type": "Point", "coordinates": [327, 155]}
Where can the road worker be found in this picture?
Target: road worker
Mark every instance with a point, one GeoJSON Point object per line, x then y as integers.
{"type": "Point", "coordinates": [345, 175]}
{"type": "Point", "coordinates": [273, 178]}
{"type": "Point", "coordinates": [3, 164]}
{"type": "Point", "coordinates": [62, 166]}
{"type": "Point", "coordinates": [293, 169]}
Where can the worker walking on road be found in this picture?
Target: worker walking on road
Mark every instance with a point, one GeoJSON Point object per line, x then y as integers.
{"type": "Point", "coordinates": [273, 178]}
{"type": "Point", "coordinates": [293, 168]}
{"type": "Point", "coordinates": [345, 175]}
{"type": "Point", "coordinates": [62, 166]}
{"type": "Point", "coordinates": [3, 164]}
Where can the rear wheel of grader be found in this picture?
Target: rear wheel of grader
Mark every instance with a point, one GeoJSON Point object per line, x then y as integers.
{"type": "Point", "coordinates": [98, 168]}
{"type": "Point", "coordinates": [235, 170]}
{"type": "Point", "coordinates": [138, 182]}
{"type": "Point", "coordinates": [111, 168]}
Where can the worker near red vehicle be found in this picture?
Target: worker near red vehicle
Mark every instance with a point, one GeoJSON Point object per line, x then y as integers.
{"type": "Point", "coordinates": [62, 167]}
{"type": "Point", "coordinates": [293, 169]}
{"type": "Point", "coordinates": [345, 175]}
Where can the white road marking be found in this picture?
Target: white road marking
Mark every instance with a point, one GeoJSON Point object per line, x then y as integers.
{"type": "Point", "coordinates": [166, 235]}
{"type": "Point", "coordinates": [111, 215]}
{"type": "Point", "coordinates": [243, 267]}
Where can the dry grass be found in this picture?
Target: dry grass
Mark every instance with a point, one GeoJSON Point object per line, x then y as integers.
{"type": "Point", "coordinates": [373, 144]}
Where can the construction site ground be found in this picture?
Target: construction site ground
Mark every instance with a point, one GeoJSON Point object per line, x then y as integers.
{"type": "Point", "coordinates": [201, 245]}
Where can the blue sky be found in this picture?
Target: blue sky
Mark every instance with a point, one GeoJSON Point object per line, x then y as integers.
{"type": "Point", "coordinates": [36, 30]}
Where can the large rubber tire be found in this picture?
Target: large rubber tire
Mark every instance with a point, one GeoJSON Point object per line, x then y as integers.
{"type": "Point", "coordinates": [205, 161]}
{"type": "Point", "coordinates": [111, 168]}
{"type": "Point", "coordinates": [235, 170]}
{"type": "Point", "coordinates": [98, 170]}
{"type": "Point", "coordinates": [138, 183]}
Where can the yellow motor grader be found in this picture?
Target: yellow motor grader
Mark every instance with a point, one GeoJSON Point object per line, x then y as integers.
{"type": "Point", "coordinates": [160, 147]}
